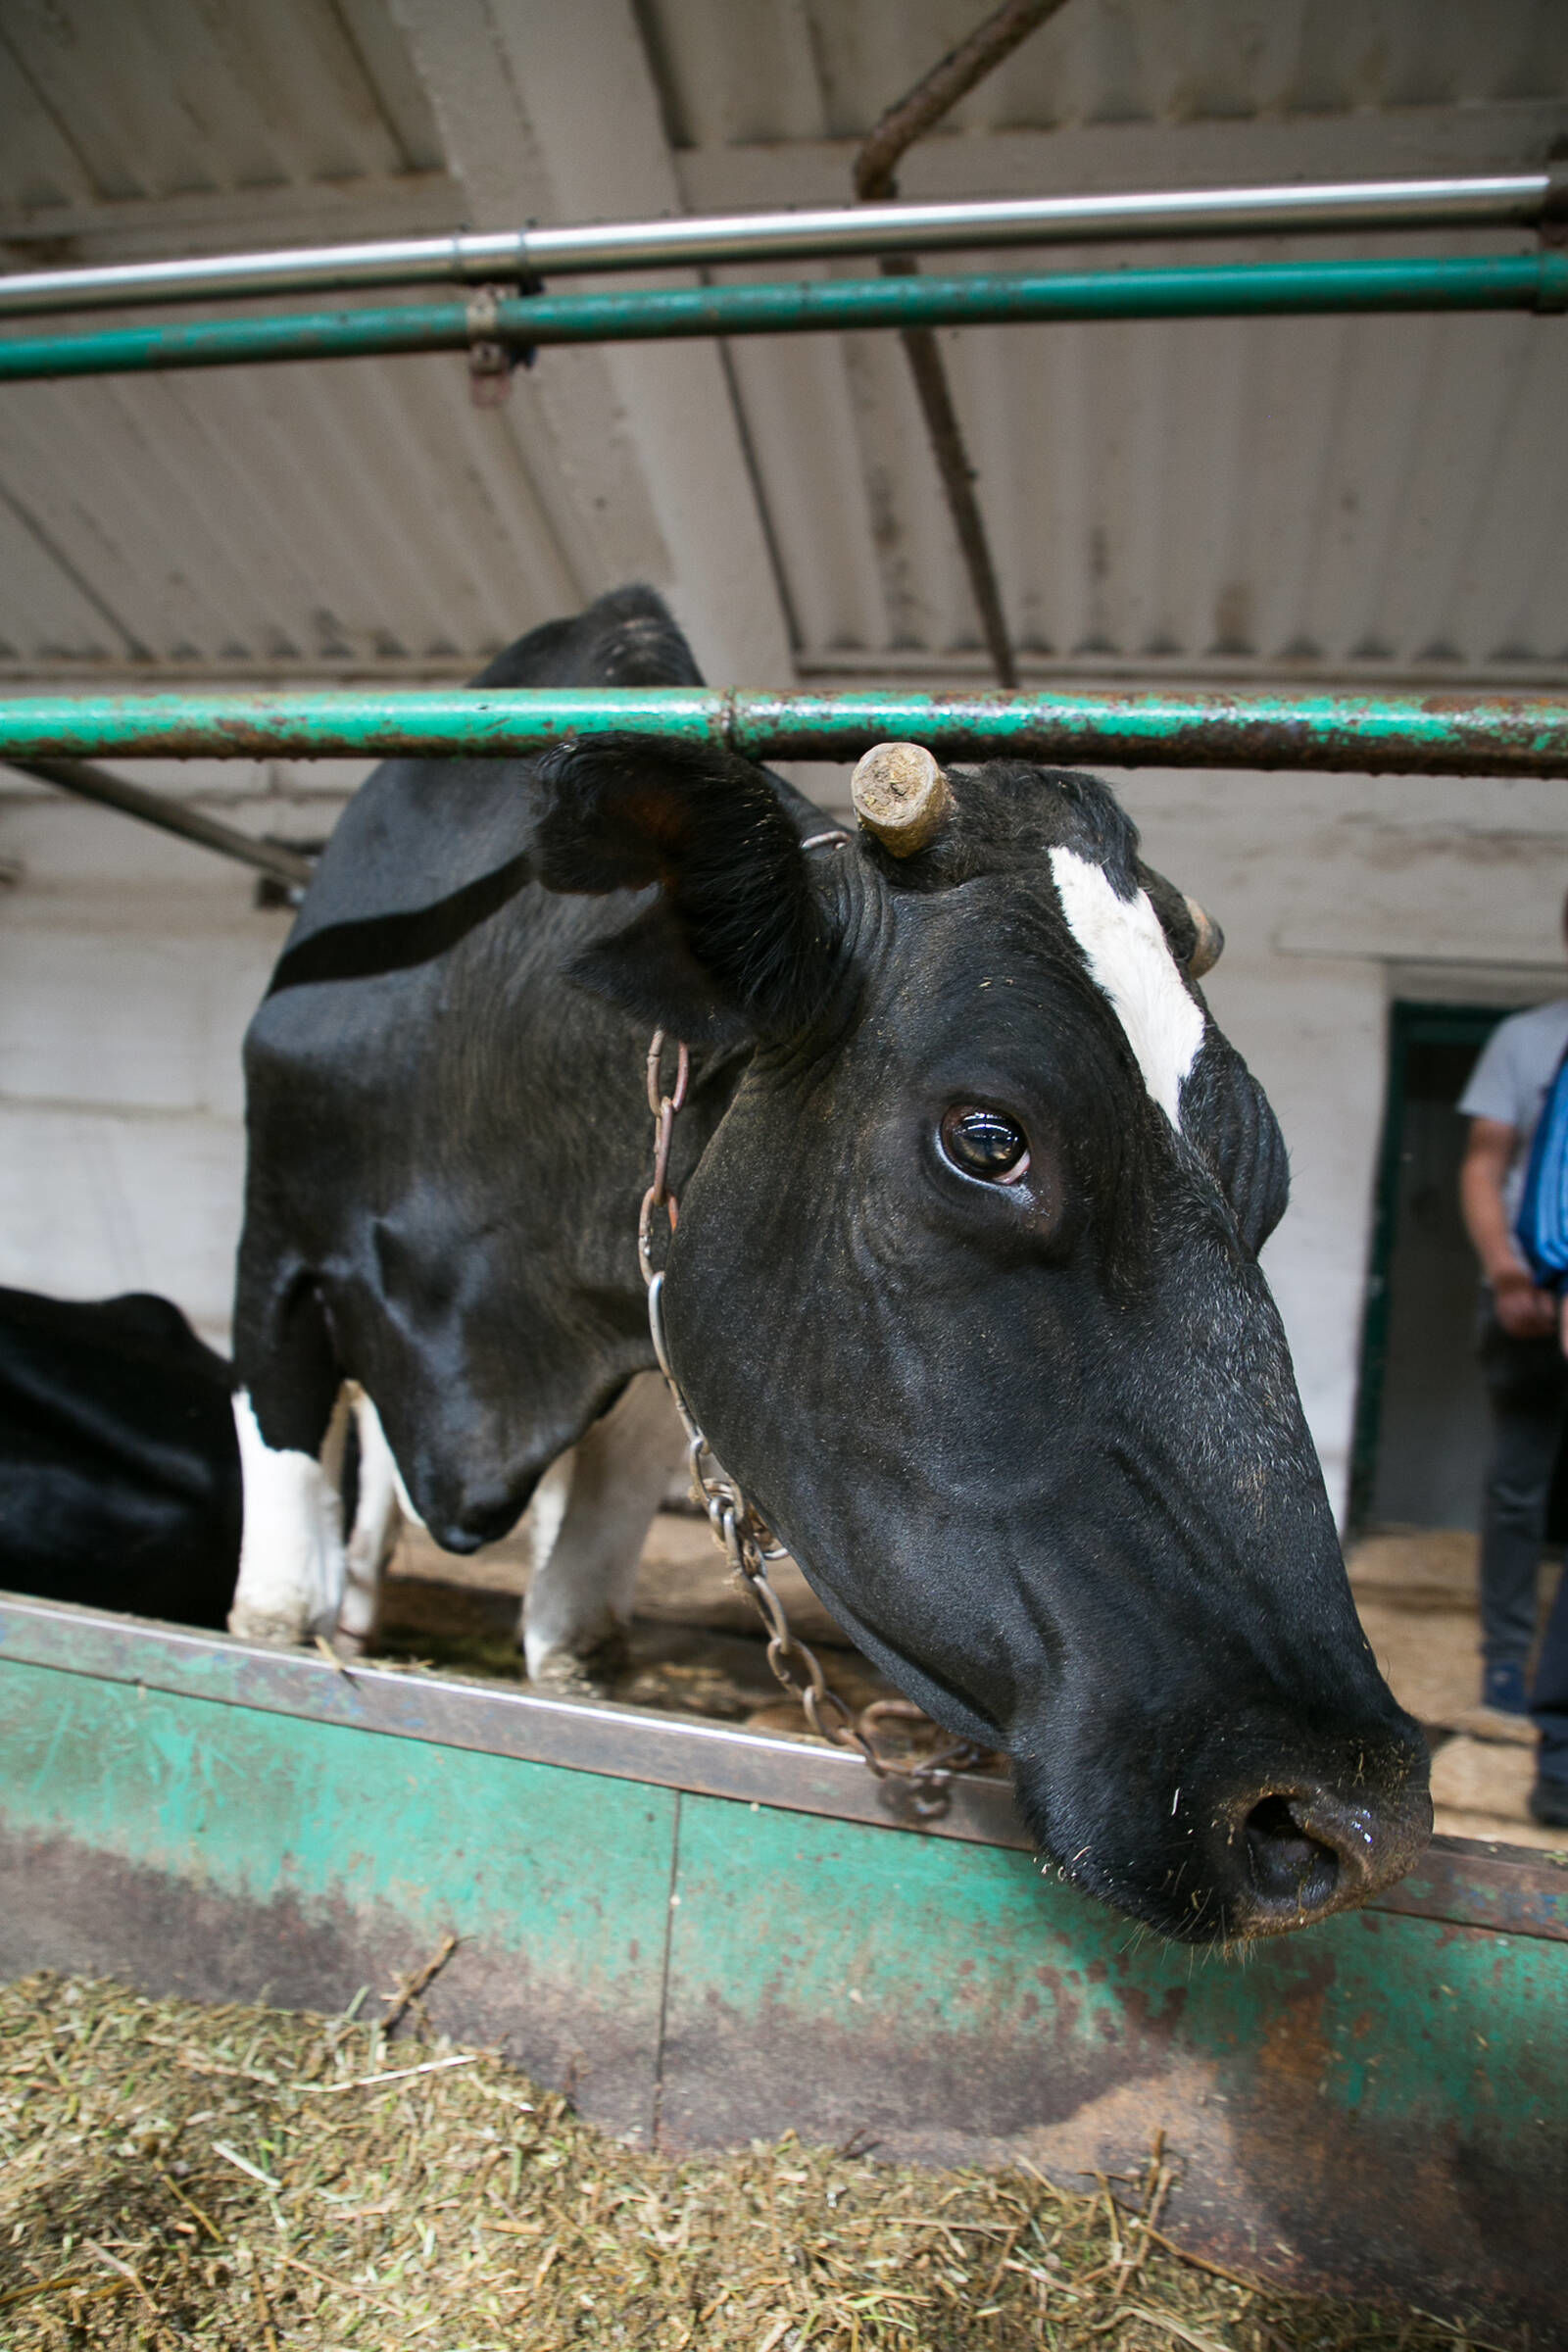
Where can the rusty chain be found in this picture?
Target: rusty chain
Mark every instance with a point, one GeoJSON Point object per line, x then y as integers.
{"type": "Point", "coordinates": [746, 1542]}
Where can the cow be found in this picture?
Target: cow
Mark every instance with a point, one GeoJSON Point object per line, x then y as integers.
{"type": "Point", "coordinates": [119, 1477]}
{"type": "Point", "coordinates": [964, 1289]}
{"type": "Point", "coordinates": [121, 1485]}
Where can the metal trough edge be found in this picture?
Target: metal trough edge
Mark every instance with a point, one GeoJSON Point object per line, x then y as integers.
{"type": "Point", "coordinates": [1512, 1890]}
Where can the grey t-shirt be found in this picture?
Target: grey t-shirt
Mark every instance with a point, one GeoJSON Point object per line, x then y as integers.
{"type": "Point", "coordinates": [1509, 1081]}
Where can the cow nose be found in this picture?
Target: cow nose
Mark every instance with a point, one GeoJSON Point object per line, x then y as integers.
{"type": "Point", "coordinates": [1309, 1852]}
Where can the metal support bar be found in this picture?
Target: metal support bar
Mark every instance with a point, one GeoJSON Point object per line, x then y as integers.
{"type": "Point", "coordinates": [134, 800]}
{"type": "Point", "coordinates": [934, 393]}
{"type": "Point", "coordinates": [1536, 281]}
{"type": "Point", "coordinates": [1332, 208]}
{"type": "Point", "coordinates": [1447, 734]}
{"type": "Point", "coordinates": [919, 111]}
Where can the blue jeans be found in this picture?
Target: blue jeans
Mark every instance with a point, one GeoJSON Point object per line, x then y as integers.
{"type": "Point", "coordinates": [1527, 1390]}
{"type": "Point", "coordinates": [1549, 1696]}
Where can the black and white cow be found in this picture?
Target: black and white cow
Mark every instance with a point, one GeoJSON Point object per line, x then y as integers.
{"type": "Point", "coordinates": [121, 1485]}
{"type": "Point", "coordinates": [120, 1479]}
{"type": "Point", "coordinates": [965, 1287]}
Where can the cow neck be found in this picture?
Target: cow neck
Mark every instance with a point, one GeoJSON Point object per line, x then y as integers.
{"type": "Point", "coordinates": [743, 1535]}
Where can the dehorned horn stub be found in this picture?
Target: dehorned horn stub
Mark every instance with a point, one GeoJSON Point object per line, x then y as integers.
{"type": "Point", "coordinates": [902, 796]}
{"type": "Point", "coordinates": [1210, 942]}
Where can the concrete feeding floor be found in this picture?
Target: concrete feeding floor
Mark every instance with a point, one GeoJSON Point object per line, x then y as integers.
{"type": "Point", "coordinates": [1416, 1591]}
{"type": "Point", "coordinates": [696, 1648]}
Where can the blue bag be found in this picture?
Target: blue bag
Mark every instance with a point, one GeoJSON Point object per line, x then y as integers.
{"type": "Point", "coordinates": [1542, 1225]}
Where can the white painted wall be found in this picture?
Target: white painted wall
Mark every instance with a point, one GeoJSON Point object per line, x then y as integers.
{"type": "Point", "coordinates": [129, 964]}
{"type": "Point", "coordinates": [1338, 895]}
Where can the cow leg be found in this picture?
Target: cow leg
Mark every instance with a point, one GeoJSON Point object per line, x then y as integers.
{"type": "Point", "coordinates": [291, 1418]}
{"type": "Point", "coordinates": [376, 1520]}
{"type": "Point", "coordinates": [600, 1499]}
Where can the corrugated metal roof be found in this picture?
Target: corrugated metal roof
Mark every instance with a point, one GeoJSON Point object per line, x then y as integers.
{"type": "Point", "coordinates": [108, 100]}
{"type": "Point", "coordinates": [1309, 496]}
{"type": "Point", "coordinates": [815, 69]}
{"type": "Point", "coordinates": [308, 516]}
{"type": "Point", "coordinates": [1280, 493]}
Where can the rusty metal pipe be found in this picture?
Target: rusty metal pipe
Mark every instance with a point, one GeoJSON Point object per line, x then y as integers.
{"type": "Point", "coordinates": [1433, 734]}
{"type": "Point", "coordinates": [1531, 282]}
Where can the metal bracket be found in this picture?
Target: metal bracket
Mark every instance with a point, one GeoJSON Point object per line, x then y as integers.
{"type": "Point", "coordinates": [1552, 221]}
{"type": "Point", "coordinates": [490, 362]}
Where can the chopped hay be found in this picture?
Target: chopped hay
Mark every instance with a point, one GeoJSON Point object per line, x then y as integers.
{"type": "Point", "coordinates": [249, 2177]}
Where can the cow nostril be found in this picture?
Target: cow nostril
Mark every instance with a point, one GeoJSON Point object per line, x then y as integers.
{"type": "Point", "coordinates": [1289, 1864]}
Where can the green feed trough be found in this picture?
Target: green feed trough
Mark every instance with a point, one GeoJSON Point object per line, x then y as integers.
{"type": "Point", "coordinates": [714, 1936]}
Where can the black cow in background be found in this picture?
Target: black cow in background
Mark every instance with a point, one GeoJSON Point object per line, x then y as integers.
{"type": "Point", "coordinates": [964, 1290]}
{"type": "Point", "coordinates": [119, 1477]}
{"type": "Point", "coordinates": [120, 1468]}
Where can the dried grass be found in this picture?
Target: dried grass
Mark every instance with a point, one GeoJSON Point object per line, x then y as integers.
{"type": "Point", "coordinates": [247, 2177]}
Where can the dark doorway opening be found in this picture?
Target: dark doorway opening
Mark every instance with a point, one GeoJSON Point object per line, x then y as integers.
{"type": "Point", "coordinates": [1421, 1431]}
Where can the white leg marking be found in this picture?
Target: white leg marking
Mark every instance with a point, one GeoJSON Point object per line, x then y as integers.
{"type": "Point", "coordinates": [291, 1562]}
{"type": "Point", "coordinates": [590, 1516]}
{"type": "Point", "coordinates": [374, 1531]}
{"type": "Point", "coordinates": [1129, 958]}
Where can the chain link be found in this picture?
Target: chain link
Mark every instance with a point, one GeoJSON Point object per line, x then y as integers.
{"type": "Point", "coordinates": [741, 1534]}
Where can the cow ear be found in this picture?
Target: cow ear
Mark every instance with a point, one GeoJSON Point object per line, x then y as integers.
{"type": "Point", "coordinates": [737, 945]}
{"type": "Point", "coordinates": [1229, 1119]}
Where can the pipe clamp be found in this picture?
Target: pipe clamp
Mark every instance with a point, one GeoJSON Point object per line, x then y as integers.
{"type": "Point", "coordinates": [490, 362]}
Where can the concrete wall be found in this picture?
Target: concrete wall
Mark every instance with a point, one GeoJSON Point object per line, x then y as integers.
{"type": "Point", "coordinates": [1338, 895]}
{"type": "Point", "coordinates": [128, 966]}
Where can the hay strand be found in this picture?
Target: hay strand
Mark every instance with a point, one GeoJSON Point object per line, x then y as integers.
{"type": "Point", "coordinates": [171, 2176]}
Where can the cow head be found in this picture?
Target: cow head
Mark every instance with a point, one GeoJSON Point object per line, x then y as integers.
{"type": "Point", "coordinates": [966, 1293]}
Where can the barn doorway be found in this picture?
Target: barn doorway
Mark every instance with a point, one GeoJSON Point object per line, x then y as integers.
{"type": "Point", "coordinates": [1421, 1420]}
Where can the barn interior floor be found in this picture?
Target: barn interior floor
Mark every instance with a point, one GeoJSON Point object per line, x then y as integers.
{"type": "Point", "coordinates": [696, 1648]}
{"type": "Point", "coordinates": [696, 1645]}
{"type": "Point", "coordinates": [1416, 1591]}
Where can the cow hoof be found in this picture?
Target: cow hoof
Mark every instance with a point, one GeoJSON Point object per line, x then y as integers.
{"type": "Point", "coordinates": [275, 1632]}
{"type": "Point", "coordinates": [582, 1674]}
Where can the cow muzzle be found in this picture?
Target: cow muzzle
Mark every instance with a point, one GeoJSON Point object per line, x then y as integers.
{"type": "Point", "coordinates": [1298, 1853]}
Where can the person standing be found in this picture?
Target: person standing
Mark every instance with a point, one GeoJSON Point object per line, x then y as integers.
{"type": "Point", "coordinates": [1541, 1230]}
{"type": "Point", "coordinates": [1521, 1358]}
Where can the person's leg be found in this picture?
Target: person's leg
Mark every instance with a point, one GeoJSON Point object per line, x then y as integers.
{"type": "Point", "coordinates": [1548, 1705]}
{"type": "Point", "coordinates": [1527, 1388]}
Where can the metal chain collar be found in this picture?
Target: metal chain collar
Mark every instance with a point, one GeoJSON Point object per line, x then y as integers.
{"type": "Point", "coordinates": [746, 1542]}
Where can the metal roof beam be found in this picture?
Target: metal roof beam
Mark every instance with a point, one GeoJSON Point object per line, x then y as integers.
{"type": "Point", "coordinates": [1498, 200]}
{"type": "Point", "coordinates": [649, 456]}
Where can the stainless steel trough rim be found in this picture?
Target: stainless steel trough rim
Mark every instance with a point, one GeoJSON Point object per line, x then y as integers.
{"type": "Point", "coordinates": [1459, 1882]}
{"type": "Point", "coordinates": [1496, 200]}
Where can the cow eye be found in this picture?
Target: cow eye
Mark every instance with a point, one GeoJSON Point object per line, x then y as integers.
{"type": "Point", "coordinates": [985, 1143]}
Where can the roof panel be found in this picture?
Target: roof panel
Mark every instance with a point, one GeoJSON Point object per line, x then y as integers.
{"type": "Point", "coordinates": [745, 74]}
{"type": "Point", "coordinates": [1288, 494]}
{"type": "Point", "coordinates": [159, 98]}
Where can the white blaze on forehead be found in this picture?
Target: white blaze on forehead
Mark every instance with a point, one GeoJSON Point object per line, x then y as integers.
{"type": "Point", "coordinates": [1129, 958]}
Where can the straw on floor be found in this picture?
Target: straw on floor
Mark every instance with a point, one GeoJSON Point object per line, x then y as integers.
{"type": "Point", "coordinates": [242, 2178]}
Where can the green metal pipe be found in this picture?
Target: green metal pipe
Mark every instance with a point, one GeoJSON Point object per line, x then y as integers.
{"type": "Point", "coordinates": [1536, 281]}
{"type": "Point", "coordinates": [1505, 735]}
